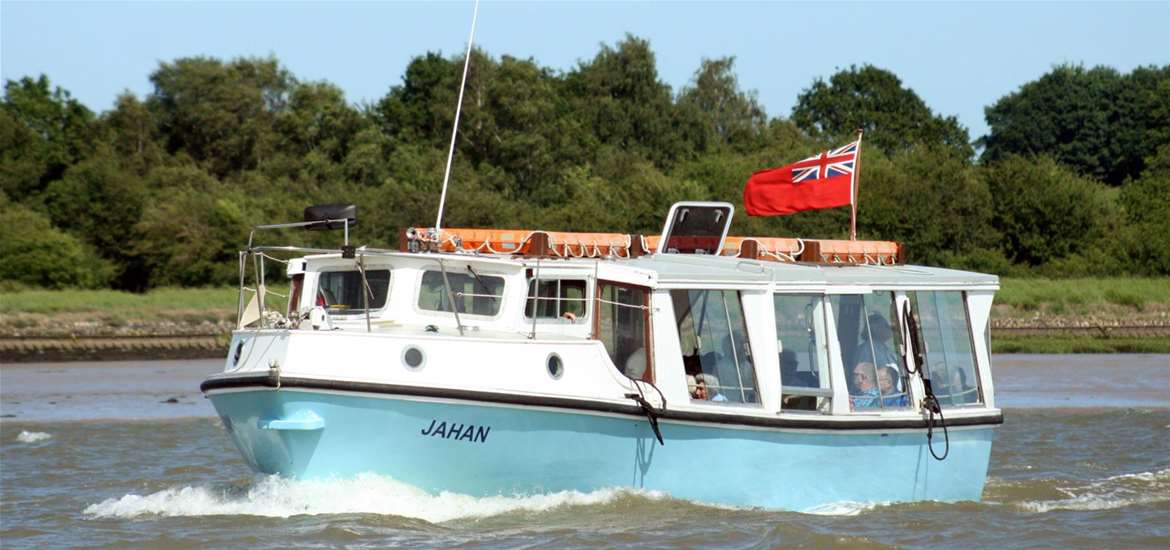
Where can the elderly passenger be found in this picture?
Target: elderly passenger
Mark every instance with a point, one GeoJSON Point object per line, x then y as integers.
{"type": "Point", "coordinates": [865, 395]}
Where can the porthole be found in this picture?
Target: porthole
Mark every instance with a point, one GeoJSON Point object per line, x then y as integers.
{"type": "Point", "coordinates": [413, 357]}
{"type": "Point", "coordinates": [556, 366]}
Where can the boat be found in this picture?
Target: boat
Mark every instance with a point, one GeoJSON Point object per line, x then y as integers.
{"type": "Point", "coordinates": [781, 373]}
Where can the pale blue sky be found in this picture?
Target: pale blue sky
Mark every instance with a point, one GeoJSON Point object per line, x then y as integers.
{"type": "Point", "coordinates": [958, 56]}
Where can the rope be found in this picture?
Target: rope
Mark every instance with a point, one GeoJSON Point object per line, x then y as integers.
{"type": "Point", "coordinates": [932, 407]}
{"type": "Point", "coordinates": [474, 295]}
{"type": "Point", "coordinates": [632, 306]}
{"type": "Point", "coordinates": [648, 409]}
{"type": "Point", "coordinates": [273, 258]}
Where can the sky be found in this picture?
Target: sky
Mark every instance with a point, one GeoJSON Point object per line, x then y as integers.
{"type": "Point", "coordinates": [959, 57]}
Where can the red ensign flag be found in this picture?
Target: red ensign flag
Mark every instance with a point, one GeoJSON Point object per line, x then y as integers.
{"type": "Point", "coordinates": [822, 181]}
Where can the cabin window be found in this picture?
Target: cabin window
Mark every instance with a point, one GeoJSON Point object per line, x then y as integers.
{"type": "Point", "coordinates": [804, 357]}
{"type": "Point", "coordinates": [473, 293]}
{"type": "Point", "coordinates": [716, 355]}
{"type": "Point", "coordinates": [556, 298]}
{"type": "Point", "coordinates": [945, 330]}
{"type": "Point", "coordinates": [341, 291]}
{"type": "Point", "coordinates": [870, 338]}
{"type": "Point", "coordinates": [623, 325]}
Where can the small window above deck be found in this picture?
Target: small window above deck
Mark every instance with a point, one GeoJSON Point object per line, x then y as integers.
{"type": "Point", "coordinates": [556, 298]}
{"type": "Point", "coordinates": [341, 291]}
{"type": "Point", "coordinates": [472, 293]}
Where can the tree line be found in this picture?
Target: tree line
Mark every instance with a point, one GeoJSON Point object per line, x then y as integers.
{"type": "Point", "coordinates": [1073, 177]}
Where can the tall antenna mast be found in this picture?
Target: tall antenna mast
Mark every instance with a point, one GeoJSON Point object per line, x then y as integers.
{"type": "Point", "coordinates": [455, 127]}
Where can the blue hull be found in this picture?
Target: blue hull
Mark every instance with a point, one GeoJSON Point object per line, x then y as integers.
{"type": "Point", "coordinates": [482, 449]}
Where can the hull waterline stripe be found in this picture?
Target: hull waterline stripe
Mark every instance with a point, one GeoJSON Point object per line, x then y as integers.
{"type": "Point", "coordinates": [262, 381]}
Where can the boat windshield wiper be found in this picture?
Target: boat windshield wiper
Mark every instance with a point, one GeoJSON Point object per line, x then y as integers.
{"type": "Point", "coordinates": [483, 285]}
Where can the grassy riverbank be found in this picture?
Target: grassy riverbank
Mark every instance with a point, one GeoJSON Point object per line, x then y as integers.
{"type": "Point", "coordinates": [1056, 297]}
{"type": "Point", "coordinates": [1093, 315]}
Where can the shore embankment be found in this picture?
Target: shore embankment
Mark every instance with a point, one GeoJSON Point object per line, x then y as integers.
{"type": "Point", "coordinates": [1103, 315]}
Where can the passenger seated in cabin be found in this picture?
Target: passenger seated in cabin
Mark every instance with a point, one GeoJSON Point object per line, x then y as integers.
{"type": "Point", "coordinates": [635, 366]}
{"type": "Point", "coordinates": [865, 392]}
{"type": "Point", "coordinates": [791, 376]}
{"type": "Point", "coordinates": [698, 389]}
{"type": "Point", "coordinates": [879, 350]}
{"type": "Point", "coordinates": [706, 388]}
{"type": "Point", "coordinates": [891, 397]}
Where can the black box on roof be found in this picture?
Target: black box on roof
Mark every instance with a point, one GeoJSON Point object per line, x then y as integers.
{"type": "Point", "coordinates": [323, 212]}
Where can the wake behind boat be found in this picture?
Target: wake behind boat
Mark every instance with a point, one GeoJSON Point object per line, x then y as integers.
{"type": "Point", "coordinates": [782, 373]}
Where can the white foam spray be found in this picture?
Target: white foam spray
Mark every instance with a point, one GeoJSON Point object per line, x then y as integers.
{"type": "Point", "coordinates": [842, 508]}
{"type": "Point", "coordinates": [1110, 493]}
{"type": "Point", "coordinates": [362, 494]}
{"type": "Point", "coordinates": [32, 437]}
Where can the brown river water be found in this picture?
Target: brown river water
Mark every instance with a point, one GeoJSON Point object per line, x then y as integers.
{"type": "Point", "coordinates": [118, 454]}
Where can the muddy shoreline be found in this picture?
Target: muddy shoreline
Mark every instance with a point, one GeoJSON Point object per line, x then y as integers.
{"type": "Point", "coordinates": [197, 342]}
{"type": "Point", "coordinates": [112, 348]}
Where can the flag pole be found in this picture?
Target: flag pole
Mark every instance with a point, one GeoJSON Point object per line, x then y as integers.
{"type": "Point", "coordinates": [853, 190]}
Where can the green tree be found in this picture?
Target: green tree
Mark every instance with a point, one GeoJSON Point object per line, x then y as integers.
{"type": "Point", "coordinates": [318, 120]}
{"type": "Point", "coordinates": [513, 118]}
{"type": "Point", "coordinates": [189, 234]}
{"type": "Point", "coordinates": [526, 132]}
{"type": "Point", "coordinates": [893, 117]}
{"type": "Point", "coordinates": [1146, 201]}
{"type": "Point", "coordinates": [220, 114]}
{"type": "Point", "coordinates": [730, 117]}
{"type": "Point", "coordinates": [365, 162]}
{"type": "Point", "coordinates": [98, 201]}
{"type": "Point", "coordinates": [618, 100]}
{"type": "Point", "coordinates": [43, 129]}
{"type": "Point", "coordinates": [1142, 123]}
{"type": "Point", "coordinates": [1097, 121]}
{"type": "Point", "coordinates": [38, 254]}
{"type": "Point", "coordinates": [133, 134]}
{"type": "Point", "coordinates": [23, 161]}
{"type": "Point", "coordinates": [1044, 211]}
{"type": "Point", "coordinates": [411, 111]}
{"type": "Point", "coordinates": [930, 199]}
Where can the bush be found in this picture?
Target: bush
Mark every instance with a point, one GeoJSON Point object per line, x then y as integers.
{"type": "Point", "coordinates": [35, 253]}
{"type": "Point", "coordinates": [1044, 211]}
{"type": "Point", "coordinates": [929, 199]}
{"type": "Point", "coordinates": [1147, 208]}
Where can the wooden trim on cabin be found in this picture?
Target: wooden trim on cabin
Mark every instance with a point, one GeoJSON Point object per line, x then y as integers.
{"type": "Point", "coordinates": [647, 320]}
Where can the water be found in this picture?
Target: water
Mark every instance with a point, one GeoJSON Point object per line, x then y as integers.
{"type": "Point", "coordinates": [130, 454]}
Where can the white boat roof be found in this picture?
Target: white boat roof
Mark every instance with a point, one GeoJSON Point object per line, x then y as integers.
{"type": "Point", "coordinates": [675, 269]}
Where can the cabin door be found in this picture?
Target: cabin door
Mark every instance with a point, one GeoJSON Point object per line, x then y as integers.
{"type": "Point", "coordinates": [622, 323]}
